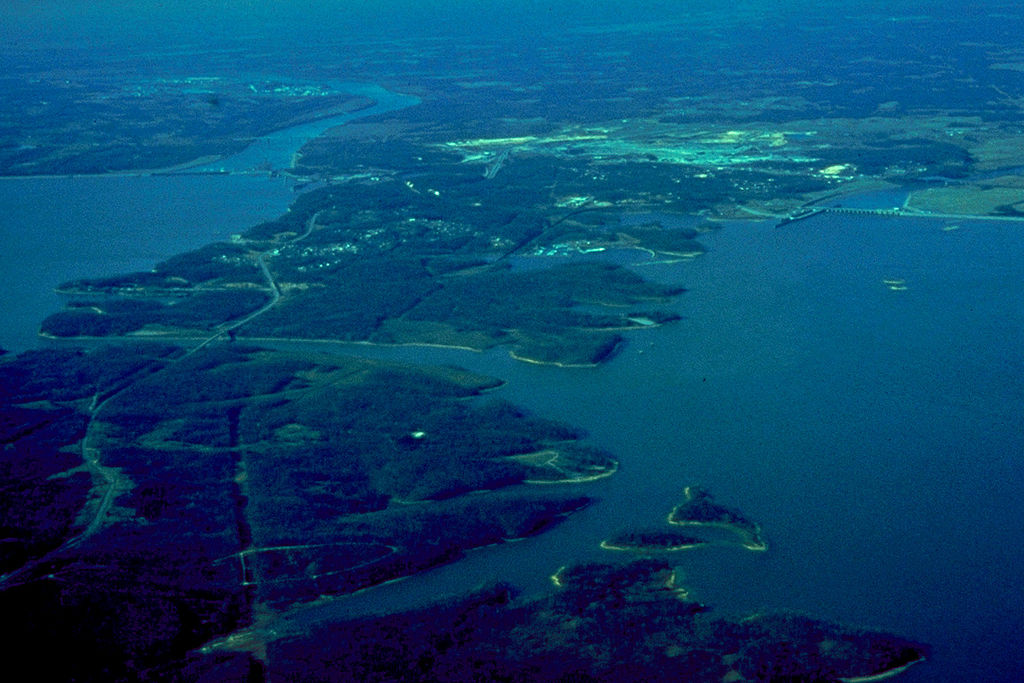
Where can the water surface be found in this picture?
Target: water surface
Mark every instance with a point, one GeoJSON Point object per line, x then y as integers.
{"type": "Point", "coordinates": [58, 229]}
{"type": "Point", "coordinates": [277, 150]}
{"type": "Point", "coordinates": [876, 434]}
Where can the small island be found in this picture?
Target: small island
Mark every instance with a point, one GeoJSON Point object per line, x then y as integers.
{"type": "Point", "coordinates": [700, 510]}
{"type": "Point", "coordinates": [703, 520]}
{"type": "Point", "coordinates": [652, 541]}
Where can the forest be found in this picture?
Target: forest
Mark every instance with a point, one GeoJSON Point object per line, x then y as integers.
{"type": "Point", "coordinates": [606, 623]}
{"type": "Point", "coordinates": [239, 476]}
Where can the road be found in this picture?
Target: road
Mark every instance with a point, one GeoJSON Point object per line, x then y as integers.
{"type": "Point", "coordinates": [272, 287]}
{"type": "Point", "coordinates": [114, 482]}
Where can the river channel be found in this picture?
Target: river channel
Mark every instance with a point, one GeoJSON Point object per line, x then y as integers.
{"type": "Point", "coordinates": [55, 229]}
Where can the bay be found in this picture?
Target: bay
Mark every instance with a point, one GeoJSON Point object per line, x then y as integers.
{"type": "Point", "coordinates": [874, 429]}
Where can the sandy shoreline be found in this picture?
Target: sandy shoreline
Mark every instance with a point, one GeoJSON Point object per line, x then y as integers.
{"type": "Point", "coordinates": [639, 549]}
{"type": "Point", "coordinates": [884, 675]}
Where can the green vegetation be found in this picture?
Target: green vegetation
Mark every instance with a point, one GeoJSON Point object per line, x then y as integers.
{"type": "Point", "coordinates": [240, 481]}
{"type": "Point", "coordinates": [239, 477]}
{"type": "Point", "coordinates": [392, 264]}
{"type": "Point", "coordinates": [651, 540]}
{"type": "Point", "coordinates": [607, 623]}
{"type": "Point", "coordinates": [220, 266]}
{"type": "Point", "coordinates": [196, 118]}
{"type": "Point", "coordinates": [700, 510]}
{"type": "Point", "coordinates": [118, 317]}
{"type": "Point", "coordinates": [596, 229]}
{"type": "Point", "coordinates": [66, 375]}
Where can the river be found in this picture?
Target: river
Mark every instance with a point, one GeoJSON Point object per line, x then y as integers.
{"type": "Point", "coordinates": [55, 229]}
{"type": "Point", "coordinates": [278, 149]}
{"type": "Point", "coordinates": [876, 433]}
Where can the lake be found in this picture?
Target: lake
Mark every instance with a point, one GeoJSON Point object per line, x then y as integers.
{"type": "Point", "coordinates": [58, 229]}
{"type": "Point", "coordinates": [876, 433]}
{"type": "Point", "coordinates": [55, 229]}
{"type": "Point", "coordinates": [874, 428]}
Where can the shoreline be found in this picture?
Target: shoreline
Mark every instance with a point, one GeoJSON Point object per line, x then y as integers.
{"type": "Point", "coordinates": [551, 363]}
{"type": "Point", "coordinates": [750, 544]}
{"type": "Point", "coordinates": [362, 102]}
{"type": "Point", "coordinates": [175, 337]}
{"type": "Point", "coordinates": [641, 549]}
{"type": "Point", "coordinates": [882, 675]}
{"type": "Point", "coordinates": [580, 480]}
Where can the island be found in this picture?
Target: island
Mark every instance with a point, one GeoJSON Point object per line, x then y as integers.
{"type": "Point", "coordinates": [705, 523]}
{"type": "Point", "coordinates": [700, 512]}
{"type": "Point", "coordinates": [652, 541]}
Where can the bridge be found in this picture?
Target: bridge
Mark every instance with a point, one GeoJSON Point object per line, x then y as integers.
{"type": "Point", "coordinates": [492, 168]}
{"type": "Point", "coordinates": [899, 212]}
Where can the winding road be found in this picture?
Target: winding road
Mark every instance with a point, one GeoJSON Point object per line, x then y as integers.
{"type": "Point", "coordinates": [272, 287]}
{"type": "Point", "coordinates": [114, 482]}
